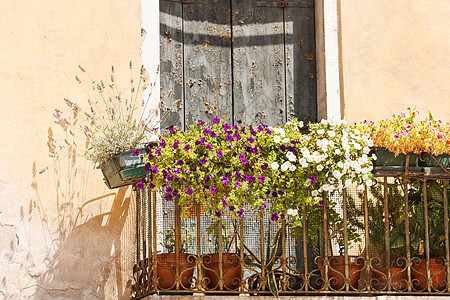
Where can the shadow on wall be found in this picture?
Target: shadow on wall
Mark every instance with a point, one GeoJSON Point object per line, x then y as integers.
{"type": "Point", "coordinates": [88, 257]}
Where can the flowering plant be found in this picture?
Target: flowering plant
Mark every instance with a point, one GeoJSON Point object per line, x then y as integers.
{"type": "Point", "coordinates": [335, 157]}
{"type": "Point", "coordinates": [404, 134]}
{"type": "Point", "coordinates": [216, 163]}
{"type": "Point", "coordinates": [112, 122]}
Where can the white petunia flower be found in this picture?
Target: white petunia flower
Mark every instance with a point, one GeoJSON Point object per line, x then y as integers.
{"type": "Point", "coordinates": [315, 193]}
{"type": "Point", "coordinates": [331, 133]}
{"type": "Point", "coordinates": [292, 212]}
{"type": "Point", "coordinates": [300, 124]}
{"type": "Point", "coordinates": [292, 168]}
{"type": "Point", "coordinates": [274, 165]}
{"type": "Point", "coordinates": [319, 168]}
{"type": "Point", "coordinates": [287, 164]}
{"type": "Point", "coordinates": [285, 141]}
{"type": "Point", "coordinates": [277, 139]}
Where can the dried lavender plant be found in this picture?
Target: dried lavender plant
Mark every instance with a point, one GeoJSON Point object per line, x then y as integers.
{"type": "Point", "coordinates": [113, 123]}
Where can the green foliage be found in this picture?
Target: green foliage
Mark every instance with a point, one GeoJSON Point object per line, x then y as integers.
{"type": "Point", "coordinates": [169, 240]}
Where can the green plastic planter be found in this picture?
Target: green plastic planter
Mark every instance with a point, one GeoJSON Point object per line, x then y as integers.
{"type": "Point", "coordinates": [387, 161]}
{"type": "Point", "coordinates": [123, 169]}
{"type": "Point", "coordinates": [436, 164]}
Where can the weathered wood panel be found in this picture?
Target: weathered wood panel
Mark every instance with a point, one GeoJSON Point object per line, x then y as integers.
{"type": "Point", "coordinates": [259, 77]}
{"type": "Point", "coordinates": [171, 68]}
{"type": "Point", "coordinates": [207, 68]}
{"type": "Point", "coordinates": [300, 60]}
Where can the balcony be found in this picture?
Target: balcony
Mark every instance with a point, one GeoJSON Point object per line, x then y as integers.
{"type": "Point", "coordinates": [391, 238]}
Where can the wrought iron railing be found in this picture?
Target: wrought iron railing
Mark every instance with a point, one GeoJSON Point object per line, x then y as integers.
{"type": "Point", "coordinates": [388, 239]}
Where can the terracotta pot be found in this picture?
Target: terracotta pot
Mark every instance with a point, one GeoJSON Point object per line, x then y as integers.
{"type": "Point", "coordinates": [336, 271]}
{"type": "Point", "coordinates": [438, 273]}
{"type": "Point", "coordinates": [231, 267]}
{"type": "Point", "coordinates": [379, 278]}
{"type": "Point", "coordinates": [166, 270]}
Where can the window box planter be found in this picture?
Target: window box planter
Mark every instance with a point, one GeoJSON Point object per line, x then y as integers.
{"type": "Point", "coordinates": [387, 161]}
{"type": "Point", "coordinates": [123, 169]}
{"type": "Point", "coordinates": [436, 164]}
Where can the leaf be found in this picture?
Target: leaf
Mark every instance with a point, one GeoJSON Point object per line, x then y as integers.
{"type": "Point", "coordinates": [397, 239]}
{"type": "Point", "coordinates": [272, 282]}
{"type": "Point", "coordinates": [276, 249]}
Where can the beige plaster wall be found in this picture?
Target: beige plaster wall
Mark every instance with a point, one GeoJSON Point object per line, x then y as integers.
{"type": "Point", "coordinates": [395, 54]}
{"type": "Point", "coordinates": [63, 234]}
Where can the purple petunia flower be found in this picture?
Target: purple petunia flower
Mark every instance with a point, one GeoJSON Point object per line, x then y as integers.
{"type": "Point", "coordinates": [209, 147]}
{"type": "Point", "coordinates": [140, 185]}
{"type": "Point", "coordinates": [202, 141]}
{"type": "Point", "coordinates": [175, 192]}
{"type": "Point", "coordinates": [187, 147]}
{"type": "Point", "coordinates": [216, 120]}
{"type": "Point", "coordinates": [162, 144]}
{"type": "Point", "coordinates": [212, 134]}
{"type": "Point", "coordinates": [180, 162]}
{"type": "Point", "coordinates": [313, 179]}
{"type": "Point", "coordinates": [224, 202]}
{"type": "Point", "coordinates": [239, 122]}
{"type": "Point", "coordinates": [158, 152]}
{"type": "Point", "coordinates": [135, 153]}
{"type": "Point", "coordinates": [218, 213]}
{"type": "Point", "coordinates": [237, 184]}
{"type": "Point", "coordinates": [151, 185]}
{"type": "Point", "coordinates": [200, 122]}
{"type": "Point", "coordinates": [243, 159]}
{"type": "Point", "coordinates": [260, 128]}
{"type": "Point", "coordinates": [261, 179]}
{"type": "Point", "coordinates": [168, 197]}
{"type": "Point", "coordinates": [237, 136]}
{"type": "Point", "coordinates": [282, 216]}
{"type": "Point", "coordinates": [203, 161]}
{"type": "Point", "coordinates": [274, 217]}
{"type": "Point", "coordinates": [264, 166]}
{"type": "Point", "coordinates": [206, 131]}
{"type": "Point", "coordinates": [225, 180]}
{"type": "Point", "coordinates": [231, 208]}
{"type": "Point", "coordinates": [212, 190]}
{"type": "Point", "coordinates": [228, 138]}
{"type": "Point", "coordinates": [169, 177]}
{"type": "Point", "coordinates": [147, 167]}
{"type": "Point", "coordinates": [194, 169]}
{"type": "Point", "coordinates": [229, 146]}
{"type": "Point", "coordinates": [250, 140]}
{"type": "Point", "coordinates": [268, 131]}
{"type": "Point", "coordinates": [169, 189]}
{"type": "Point", "coordinates": [189, 191]}
{"type": "Point", "coordinates": [322, 203]}
{"type": "Point", "coordinates": [264, 206]}
{"type": "Point", "coordinates": [176, 144]}
{"type": "Point", "coordinates": [240, 212]}
{"type": "Point", "coordinates": [155, 169]}
{"type": "Point", "coordinates": [280, 192]}
{"type": "Point", "coordinates": [219, 153]}
{"type": "Point", "coordinates": [274, 194]}
{"type": "Point", "coordinates": [226, 126]}
{"type": "Point", "coordinates": [177, 171]}
{"type": "Point", "coordinates": [171, 129]}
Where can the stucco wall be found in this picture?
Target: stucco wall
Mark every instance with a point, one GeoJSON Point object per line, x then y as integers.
{"type": "Point", "coordinates": [395, 54]}
{"type": "Point", "coordinates": [63, 234]}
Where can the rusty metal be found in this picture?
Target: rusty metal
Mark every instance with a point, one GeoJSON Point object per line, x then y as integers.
{"type": "Point", "coordinates": [427, 234]}
{"type": "Point", "coordinates": [290, 281]}
{"type": "Point", "coordinates": [305, 249]}
{"type": "Point", "coordinates": [325, 231]}
{"type": "Point", "coordinates": [366, 235]}
{"type": "Point", "coordinates": [386, 234]}
{"type": "Point", "coordinates": [220, 254]}
{"type": "Point", "coordinates": [346, 271]}
{"type": "Point", "coordinates": [407, 237]}
{"type": "Point", "coordinates": [261, 239]}
{"type": "Point", "coordinates": [447, 246]}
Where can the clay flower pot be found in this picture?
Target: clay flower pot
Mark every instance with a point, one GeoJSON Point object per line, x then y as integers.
{"type": "Point", "coordinates": [166, 270]}
{"type": "Point", "coordinates": [231, 267]}
{"type": "Point", "coordinates": [336, 271]}
{"type": "Point", "coordinates": [379, 278]}
{"type": "Point", "coordinates": [438, 273]}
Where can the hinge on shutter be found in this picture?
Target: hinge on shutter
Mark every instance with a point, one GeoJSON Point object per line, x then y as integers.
{"type": "Point", "coordinates": [285, 3]}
